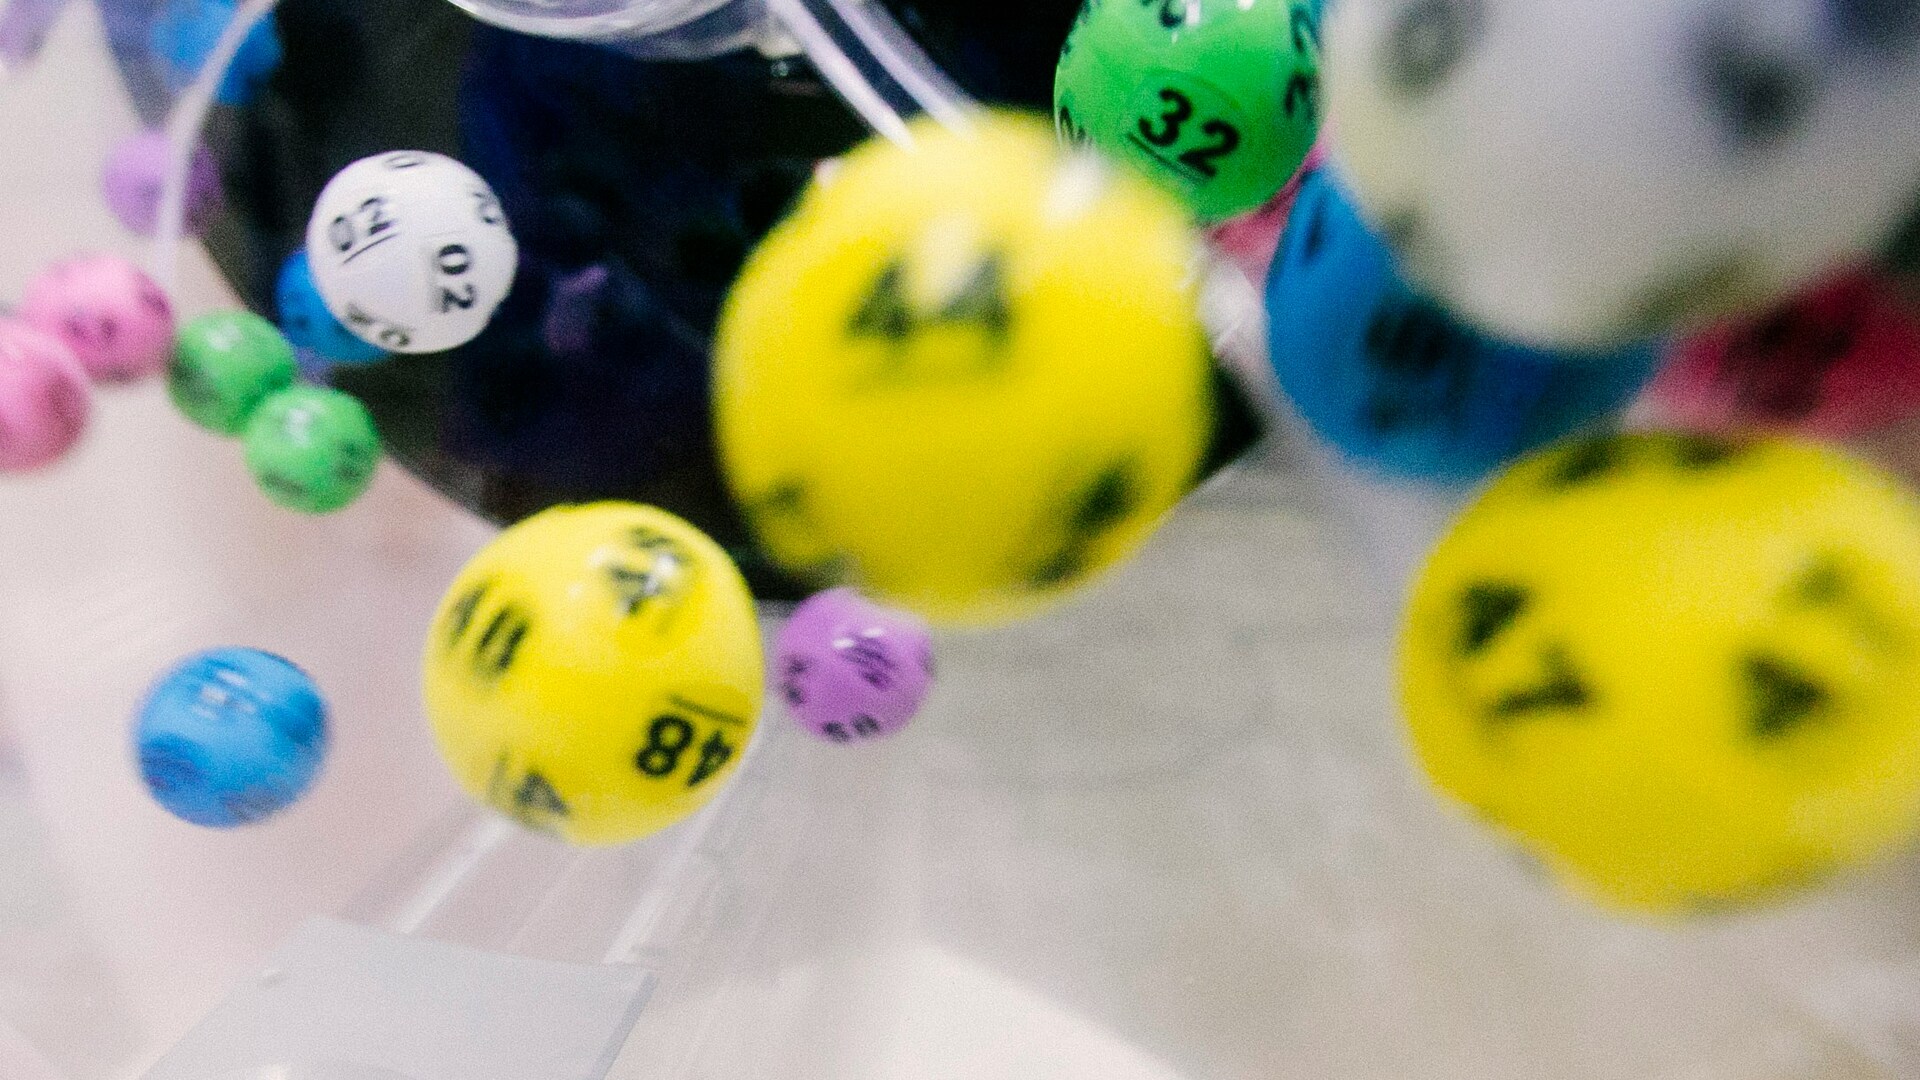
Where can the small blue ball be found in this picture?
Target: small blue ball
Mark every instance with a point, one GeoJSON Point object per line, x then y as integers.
{"type": "Point", "coordinates": [1398, 385]}
{"type": "Point", "coordinates": [184, 33]}
{"type": "Point", "coordinates": [230, 737]}
{"type": "Point", "coordinates": [305, 320]}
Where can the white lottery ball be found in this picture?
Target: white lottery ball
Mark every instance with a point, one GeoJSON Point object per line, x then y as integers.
{"type": "Point", "coordinates": [1579, 172]}
{"type": "Point", "coordinates": [410, 251]}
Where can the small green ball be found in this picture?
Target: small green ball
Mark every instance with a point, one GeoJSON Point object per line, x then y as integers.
{"type": "Point", "coordinates": [312, 450]}
{"type": "Point", "coordinates": [1218, 100]}
{"type": "Point", "coordinates": [224, 365]}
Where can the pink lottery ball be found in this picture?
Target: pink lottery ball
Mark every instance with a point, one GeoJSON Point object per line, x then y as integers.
{"type": "Point", "coordinates": [1251, 239]}
{"type": "Point", "coordinates": [115, 319]}
{"type": "Point", "coordinates": [1838, 359]}
{"type": "Point", "coordinates": [851, 670]}
{"type": "Point", "coordinates": [135, 173]}
{"type": "Point", "coordinates": [44, 398]}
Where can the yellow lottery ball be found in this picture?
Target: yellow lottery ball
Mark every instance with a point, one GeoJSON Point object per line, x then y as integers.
{"type": "Point", "coordinates": [1680, 670]}
{"type": "Point", "coordinates": [965, 376]}
{"type": "Point", "coordinates": [595, 672]}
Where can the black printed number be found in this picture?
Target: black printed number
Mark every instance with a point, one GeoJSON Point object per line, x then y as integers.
{"type": "Point", "coordinates": [453, 261]}
{"type": "Point", "coordinates": [1226, 139]}
{"type": "Point", "coordinates": [714, 755]}
{"type": "Point", "coordinates": [1172, 122]}
{"type": "Point", "coordinates": [355, 231]}
{"type": "Point", "coordinates": [666, 741]}
{"type": "Point", "coordinates": [1223, 138]}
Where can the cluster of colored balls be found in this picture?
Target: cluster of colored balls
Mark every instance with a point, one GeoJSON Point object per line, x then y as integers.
{"type": "Point", "coordinates": [966, 377]}
{"type": "Point", "coordinates": [410, 251]}
{"type": "Point", "coordinates": [595, 672]}
{"type": "Point", "coordinates": [850, 670]}
{"type": "Point", "coordinates": [310, 449]}
{"type": "Point", "coordinates": [1398, 385]}
{"type": "Point", "coordinates": [136, 174]}
{"type": "Point", "coordinates": [1219, 100]}
{"type": "Point", "coordinates": [1677, 668]}
{"type": "Point", "coordinates": [92, 319]}
{"type": "Point", "coordinates": [231, 737]}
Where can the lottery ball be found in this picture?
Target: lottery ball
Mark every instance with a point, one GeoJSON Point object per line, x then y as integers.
{"type": "Point", "coordinates": [1679, 669]}
{"type": "Point", "coordinates": [311, 449]}
{"type": "Point", "coordinates": [965, 377]}
{"type": "Point", "coordinates": [1216, 99]}
{"type": "Point", "coordinates": [410, 251]}
{"type": "Point", "coordinates": [135, 173]}
{"type": "Point", "coordinates": [184, 33]}
{"type": "Point", "coordinates": [45, 401]}
{"type": "Point", "coordinates": [852, 670]}
{"type": "Point", "coordinates": [1836, 360]}
{"type": "Point", "coordinates": [595, 672]}
{"type": "Point", "coordinates": [109, 312]}
{"type": "Point", "coordinates": [307, 323]}
{"type": "Point", "coordinates": [1566, 172]}
{"type": "Point", "coordinates": [230, 737]}
{"type": "Point", "coordinates": [1396, 384]}
{"type": "Point", "coordinates": [224, 365]}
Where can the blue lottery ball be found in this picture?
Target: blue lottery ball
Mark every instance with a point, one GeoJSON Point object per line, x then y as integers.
{"type": "Point", "coordinates": [230, 737]}
{"type": "Point", "coordinates": [184, 33]}
{"type": "Point", "coordinates": [305, 320]}
{"type": "Point", "coordinates": [1398, 385]}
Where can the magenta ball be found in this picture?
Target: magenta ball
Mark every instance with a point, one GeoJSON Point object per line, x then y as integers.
{"type": "Point", "coordinates": [852, 670]}
{"type": "Point", "coordinates": [45, 401]}
{"type": "Point", "coordinates": [111, 314]}
{"type": "Point", "coordinates": [1836, 360]}
{"type": "Point", "coordinates": [135, 173]}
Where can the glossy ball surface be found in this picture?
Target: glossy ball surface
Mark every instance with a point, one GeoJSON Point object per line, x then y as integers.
{"type": "Point", "coordinates": [411, 252]}
{"type": "Point", "coordinates": [850, 670]}
{"type": "Point", "coordinates": [595, 672]}
{"type": "Point", "coordinates": [312, 450]}
{"type": "Point", "coordinates": [136, 172]}
{"type": "Point", "coordinates": [305, 320]}
{"type": "Point", "coordinates": [1397, 385]}
{"type": "Point", "coordinates": [184, 33]}
{"type": "Point", "coordinates": [1836, 360]}
{"type": "Point", "coordinates": [231, 737]}
{"type": "Point", "coordinates": [224, 365]}
{"type": "Point", "coordinates": [1219, 100]}
{"type": "Point", "coordinates": [1576, 173]}
{"type": "Point", "coordinates": [45, 400]}
{"type": "Point", "coordinates": [967, 377]}
{"type": "Point", "coordinates": [1678, 669]}
{"type": "Point", "coordinates": [116, 320]}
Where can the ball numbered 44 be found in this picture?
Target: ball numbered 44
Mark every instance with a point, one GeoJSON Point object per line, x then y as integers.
{"type": "Point", "coordinates": [1679, 669]}
{"type": "Point", "coordinates": [411, 251]}
{"type": "Point", "coordinates": [595, 672]}
{"type": "Point", "coordinates": [966, 376]}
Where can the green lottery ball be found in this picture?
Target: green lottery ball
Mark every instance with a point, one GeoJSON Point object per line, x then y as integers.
{"type": "Point", "coordinates": [1219, 100]}
{"type": "Point", "coordinates": [224, 365]}
{"type": "Point", "coordinates": [311, 449]}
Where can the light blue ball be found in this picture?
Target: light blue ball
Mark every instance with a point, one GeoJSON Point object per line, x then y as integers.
{"type": "Point", "coordinates": [306, 322]}
{"type": "Point", "coordinates": [1399, 386]}
{"type": "Point", "coordinates": [230, 737]}
{"type": "Point", "coordinates": [184, 33]}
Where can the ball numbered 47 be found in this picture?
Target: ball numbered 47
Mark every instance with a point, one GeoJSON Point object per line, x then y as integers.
{"type": "Point", "coordinates": [411, 251]}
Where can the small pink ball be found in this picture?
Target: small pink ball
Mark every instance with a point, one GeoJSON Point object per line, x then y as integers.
{"type": "Point", "coordinates": [850, 669]}
{"type": "Point", "coordinates": [1838, 359]}
{"type": "Point", "coordinates": [44, 398]}
{"type": "Point", "coordinates": [115, 319]}
{"type": "Point", "coordinates": [135, 173]}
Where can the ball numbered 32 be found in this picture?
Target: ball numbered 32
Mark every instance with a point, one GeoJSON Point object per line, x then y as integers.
{"type": "Point", "coordinates": [411, 251]}
{"type": "Point", "coordinates": [595, 672]}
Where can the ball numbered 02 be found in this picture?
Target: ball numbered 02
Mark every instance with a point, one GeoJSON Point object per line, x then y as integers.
{"type": "Point", "coordinates": [966, 377]}
{"type": "Point", "coordinates": [1217, 99]}
{"type": "Point", "coordinates": [1679, 669]}
{"type": "Point", "coordinates": [595, 672]}
{"type": "Point", "coordinates": [411, 251]}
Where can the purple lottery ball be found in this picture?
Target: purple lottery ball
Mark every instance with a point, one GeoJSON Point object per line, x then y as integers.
{"type": "Point", "coordinates": [852, 670]}
{"type": "Point", "coordinates": [135, 173]}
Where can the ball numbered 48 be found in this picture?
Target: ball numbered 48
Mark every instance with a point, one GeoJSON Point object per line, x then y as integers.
{"type": "Point", "coordinates": [595, 672]}
{"type": "Point", "coordinates": [411, 251]}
